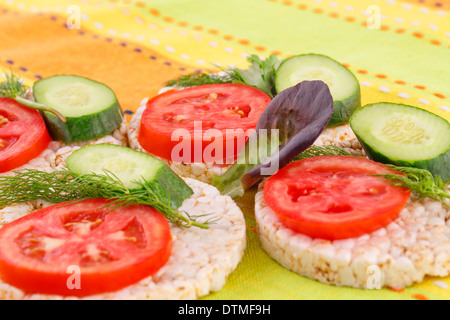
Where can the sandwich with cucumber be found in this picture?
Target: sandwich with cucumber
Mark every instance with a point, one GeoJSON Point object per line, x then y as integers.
{"type": "Point", "coordinates": [369, 213]}
{"type": "Point", "coordinates": [198, 131]}
{"type": "Point", "coordinates": [87, 217]}
{"type": "Point", "coordinates": [122, 226]}
{"type": "Point", "coordinates": [219, 111]}
{"type": "Point", "coordinates": [367, 219]}
{"type": "Point", "coordinates": [41, 124]}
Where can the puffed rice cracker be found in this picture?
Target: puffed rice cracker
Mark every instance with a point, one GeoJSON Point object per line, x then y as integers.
{"type": "Point", "coordinates": [415, 245]}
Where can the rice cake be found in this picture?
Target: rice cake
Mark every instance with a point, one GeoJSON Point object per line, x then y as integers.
{"type": "Point", "coordinates": [415, 245]}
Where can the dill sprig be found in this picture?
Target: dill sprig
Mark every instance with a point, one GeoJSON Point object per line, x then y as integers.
{"type": "Point", "coordinates": [421, 182]}
{"type": "Point", "coordinates": [317, 151]}
{"type": "Point", "coordinates": [198, 79]}
{"type": "Point", "coordinates": [260, 74]}
{"type": "Point", "coordinates": [60, 186]}
{"type": "Point", "coordinates": [14, 88]}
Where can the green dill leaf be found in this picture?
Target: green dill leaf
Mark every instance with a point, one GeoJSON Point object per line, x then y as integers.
{"type": "Point", "coordinates": [317, 151]}
{"type": "Point", "coordinates": [14, 88]}
{"type": "Point", "coordinates": [198, 79]}
{"type": "Point", "coordinates": [421, 182]}
{"type": "Point", "coordinates": [61, 186]}
{"type": "Point", "coordinates": [260, 74]}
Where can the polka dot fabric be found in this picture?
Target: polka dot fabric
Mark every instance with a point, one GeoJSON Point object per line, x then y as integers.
{"type": "Point", "coordinates": [398, 50]}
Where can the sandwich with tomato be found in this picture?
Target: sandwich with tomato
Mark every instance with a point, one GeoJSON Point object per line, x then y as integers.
{"type": "Point", "coordinates": [368, 215]}
{"type": "Point", "coordinates": [199, 123]}
{"type": "Point", "coordinates": [39, 125]}
{"type": "Point", "coordinates": [84, 216]}
{"type": "Point", "coordinates": [197, 131]}
{"type": "Point", "coordinates": [374, 217]}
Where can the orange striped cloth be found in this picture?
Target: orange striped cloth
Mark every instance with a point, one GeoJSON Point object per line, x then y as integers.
{"type": "Point", "coordinates": [135, 47]}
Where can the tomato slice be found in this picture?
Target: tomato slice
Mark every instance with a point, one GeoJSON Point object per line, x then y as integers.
{"type": "Point", "coordinates": [82, 248]}
{"type": "Point", "coordinates": [215, 108]}
{"type": "Point", "coordinates": [334, 197]}
{"type": "Point", "coordinates": [23, 135]}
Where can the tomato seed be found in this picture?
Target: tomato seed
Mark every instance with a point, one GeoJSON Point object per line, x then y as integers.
{"type": "Point", "coordinates": [3, 121]}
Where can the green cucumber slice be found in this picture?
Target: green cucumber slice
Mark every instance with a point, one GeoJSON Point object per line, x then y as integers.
{"type": "Point", "coordinates": [90, 107]}
{"type": "Point", "coordinates": [343, 85]}
{"type": "Point", "coordinates": [129, 166]}
{"type": "Point", "coordinates": [405, 136]}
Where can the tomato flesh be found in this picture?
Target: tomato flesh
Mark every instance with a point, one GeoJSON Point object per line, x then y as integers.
{"type": "Point", "coordinates": [214, 108]}
{"type": "Point", "coordinates": [83, 248]}
{"type": "Point", "coordinates": [334, 197]}
{"type": "Point", "coordinates": [23, 135]}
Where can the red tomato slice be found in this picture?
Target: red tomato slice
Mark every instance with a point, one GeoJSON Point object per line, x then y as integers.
{"type": "Point", "coordinates": [23, 135]}
{"type": "Point", "coordinates": [110, 249]}
{"type": "Point", "coordinates": [220, 106]}
{"type": "Point", "coordinates": [334, 197]}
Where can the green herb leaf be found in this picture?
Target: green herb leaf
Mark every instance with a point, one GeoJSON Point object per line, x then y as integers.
{"type": "Point", "coordinates": [421, 182]}
{"type": "Point", "coordinates": [255, 152]}
{"type": "Point", "coordinates": [198, 79]}
{"type": "Point", "coordinates": [13, 88]}
{"type": "Point", "coordinates": [317, 151]}
{"type": "Point", "coordinates": [260, 74]}
{"type": "Point", "coordinates": [61, 186]}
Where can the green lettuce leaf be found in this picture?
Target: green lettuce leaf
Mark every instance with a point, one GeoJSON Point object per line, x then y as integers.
{"type": "Point", "coordinates": [260, 74]}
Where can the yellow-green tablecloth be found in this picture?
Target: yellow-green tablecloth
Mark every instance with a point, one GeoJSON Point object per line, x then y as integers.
{"type": "Point", "coordinates": [136, 46]}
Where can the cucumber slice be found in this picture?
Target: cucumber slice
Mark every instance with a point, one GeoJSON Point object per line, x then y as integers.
{"type": "Point", "coordinates": [405, 136]}
{"type": "Point", "coordinates": [90, 107]}
{"type": "Point", "coordinates": [344, 86]}
{"type": "Point", "coordinates": [129, 166]}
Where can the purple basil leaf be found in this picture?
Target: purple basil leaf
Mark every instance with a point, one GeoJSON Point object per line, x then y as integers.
{"type": "Point", "coordinates": [300, 113]}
